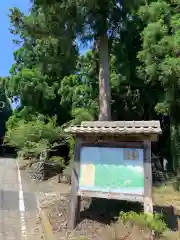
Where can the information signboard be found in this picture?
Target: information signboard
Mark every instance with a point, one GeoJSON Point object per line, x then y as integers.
{"type": "Point", "coordinates": [112, 170]}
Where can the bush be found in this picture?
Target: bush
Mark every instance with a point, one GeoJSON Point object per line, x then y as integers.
{"type": "Point", "coordinates": [59, 161]}
{"type": "Point", "coordinates": [155, 223]}
{"type": "Point", "coordinates": [34, 137]}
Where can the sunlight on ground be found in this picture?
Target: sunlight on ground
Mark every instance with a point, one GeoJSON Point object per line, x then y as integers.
{"type": "Point", "coordinates": [166, 196]}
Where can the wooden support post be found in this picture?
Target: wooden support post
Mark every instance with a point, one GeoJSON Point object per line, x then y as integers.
{"type": "Point", "coordinates": [178, 222]}
{"type": "Point", "coordinates": [177, 214]}
{"type": "Point", "coordinates": [74, 205]}
{"type": "Point", "coordinates": [148, 203]}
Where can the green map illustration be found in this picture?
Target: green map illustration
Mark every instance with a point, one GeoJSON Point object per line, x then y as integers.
{"type": "Point", "coordinates": [118, 176]}
{"type": "Point", "coordinates": [106, 168]}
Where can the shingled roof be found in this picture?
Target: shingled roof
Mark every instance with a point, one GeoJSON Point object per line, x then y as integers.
{"type": "Point", "coordinates": [116, 127]}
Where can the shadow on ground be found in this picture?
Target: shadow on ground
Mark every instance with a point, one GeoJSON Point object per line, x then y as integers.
{"type": "Point", "coordinates": [106, 211]}
{"type": "Point", "coordinates": [7, 152]}
{"type": "Point", "coordinates": [170, 216]}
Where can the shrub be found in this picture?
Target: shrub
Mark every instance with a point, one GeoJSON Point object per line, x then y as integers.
{"type": "Point", "coordinates": [34, 137]}
{"type": "Point", "coordinates": [155, 223]}
{"type": "Point", "coordinates": [59, 161]}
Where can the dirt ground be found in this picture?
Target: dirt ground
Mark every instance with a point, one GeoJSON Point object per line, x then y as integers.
{"type": "Point", "coordinates": [97, 219]}
{"type": "Point", "coordinates": [36, 233]}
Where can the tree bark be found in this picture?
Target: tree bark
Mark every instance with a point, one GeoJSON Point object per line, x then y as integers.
{"type": "Point", "coordinates": [104, 83]}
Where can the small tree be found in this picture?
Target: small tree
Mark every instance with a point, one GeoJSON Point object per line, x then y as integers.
{"type": "Point", "coordinates": [34, 138]}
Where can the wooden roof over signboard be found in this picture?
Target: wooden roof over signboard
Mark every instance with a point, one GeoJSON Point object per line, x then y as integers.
{"type": "Point", "coordinates": [117, 128]}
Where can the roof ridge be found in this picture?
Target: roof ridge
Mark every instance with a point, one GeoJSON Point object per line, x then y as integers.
{"type": "Point", "coordinates": [117, 127]}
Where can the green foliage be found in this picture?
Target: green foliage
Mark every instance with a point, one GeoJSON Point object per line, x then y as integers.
{"type": "Point", "coordinates": [29, 81]}
{"type": "Point", "coordinates": [87, 19]}
{"type": "Point", "coordinates": [59, 161]}
{"type": "Point", "coordinates": [5, 107]}
{"type": "Point", "coordinates": [160, 62]}
{"type": "Point", "coordinates": [34, 136]}
{"type": "Point", "coordinates": [81, 114]}
{"type": "Point", "coordinates": [71, 142]}
{"type": "Point", "coordinates": [155, 222]}
{"type": "Point", "coordinates": [41, 62]}
{"type": "Point", "coordinates": [160, 49]}
{"type": "Point", "coordinates": [80, 91]}
{"type": "Point", "coordinates": [175, 146]}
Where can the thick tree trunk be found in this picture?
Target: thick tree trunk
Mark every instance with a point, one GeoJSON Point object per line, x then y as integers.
{"type": "Point", "coordinates": [104, 83]}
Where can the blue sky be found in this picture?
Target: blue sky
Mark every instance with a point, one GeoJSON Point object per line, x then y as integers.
{"type": "Point", "coordinates": [6, 45]}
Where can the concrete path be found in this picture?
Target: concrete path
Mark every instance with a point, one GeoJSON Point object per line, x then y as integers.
{"type": "Point", "coordinates": [18, 211]}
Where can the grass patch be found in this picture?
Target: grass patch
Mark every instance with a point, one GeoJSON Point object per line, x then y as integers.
{"type": "Point", "coordinates": [166, 195]}
{"type": "Point", "coordinates": [155, 223]}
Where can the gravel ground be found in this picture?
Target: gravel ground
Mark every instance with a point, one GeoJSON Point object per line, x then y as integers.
{"type": "Point", "coordinates": [36, 233]}
{"type": "Point", "coordinates": [56, 206]}
{"type": "Point", "coordinates": [95, 223]}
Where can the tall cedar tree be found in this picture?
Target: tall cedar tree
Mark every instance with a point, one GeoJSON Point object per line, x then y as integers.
{"type": "Point", "coordinates": [98, 20]}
